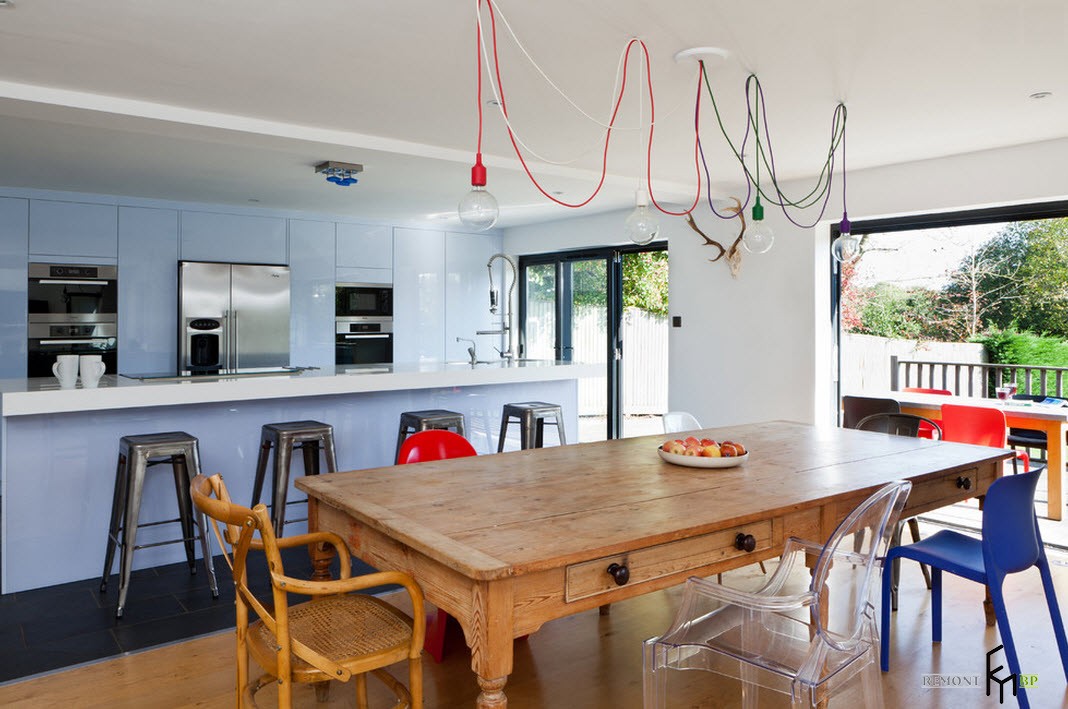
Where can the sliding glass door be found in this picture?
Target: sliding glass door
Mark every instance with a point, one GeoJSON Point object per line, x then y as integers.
{"type": "Point", "coordinates": [571, 309]}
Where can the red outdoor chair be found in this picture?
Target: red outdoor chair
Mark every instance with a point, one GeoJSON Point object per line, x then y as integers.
{"type": "Point", "coordinates": [979, 426]}
{"type": "Point", "coordinates": [423, 447]}
{"type": "Point", "coordinates": [925, 429]}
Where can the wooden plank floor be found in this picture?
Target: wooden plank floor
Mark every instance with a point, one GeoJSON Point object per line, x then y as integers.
{"type": "Point", "coordinates": [593, 662]}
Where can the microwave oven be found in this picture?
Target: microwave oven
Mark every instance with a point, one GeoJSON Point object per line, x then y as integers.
{"type": "Point", "coordinates": [363, 300]}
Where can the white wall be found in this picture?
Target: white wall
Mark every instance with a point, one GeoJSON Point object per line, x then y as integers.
{"type": "Point", "coordinates": [758, 348]}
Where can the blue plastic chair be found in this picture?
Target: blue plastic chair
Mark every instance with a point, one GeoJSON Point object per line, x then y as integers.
{"type": "Point", "coordinates": [1011, 543]}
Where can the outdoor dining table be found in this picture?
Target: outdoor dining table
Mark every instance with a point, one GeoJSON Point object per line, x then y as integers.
{"type": "Point", "coordinates": [507, 542]}
{"type": "Point", "coordinates": [1050, 419]}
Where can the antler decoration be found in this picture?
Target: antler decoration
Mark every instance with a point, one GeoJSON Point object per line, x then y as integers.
{"type": "Point", "coordinates": [733, 254]}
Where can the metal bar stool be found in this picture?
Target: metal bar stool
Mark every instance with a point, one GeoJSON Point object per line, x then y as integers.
{"type": "Point", "coordinates": [136, 455]}
{"type": "Point", "coordinates": [309, 436]}
{"type": "Point", "coordinates": [532, 417]}
{"type": "Point", "coordinates": [438, 419]}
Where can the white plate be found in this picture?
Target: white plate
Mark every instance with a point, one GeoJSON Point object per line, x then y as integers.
{"type": "Point", "coordinates": [697, 461]}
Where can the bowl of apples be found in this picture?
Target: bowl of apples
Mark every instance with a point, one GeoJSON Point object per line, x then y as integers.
{"type": "Point", "coordinates": [703, 453]}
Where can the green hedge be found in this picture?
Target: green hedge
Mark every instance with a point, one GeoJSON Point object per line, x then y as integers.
{"type": "Point", "coordinates": [1010, 347]}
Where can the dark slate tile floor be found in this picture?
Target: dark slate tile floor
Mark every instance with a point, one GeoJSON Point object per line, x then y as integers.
{"type": "Point", "coordinates": [55, 627]}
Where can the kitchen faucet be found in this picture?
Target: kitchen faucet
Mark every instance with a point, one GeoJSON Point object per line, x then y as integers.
{"type": "Point", "coordinates": [470, 350]}
{"type": "Point", "coordinates": [506, 324]}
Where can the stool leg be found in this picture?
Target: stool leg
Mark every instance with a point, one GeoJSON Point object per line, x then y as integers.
{"type": "Point", "coordinates": [504, 432]}
{"type": "Point", "coordinates": [185, 509]}
{"type": "Point", "coordinates": [201, 520]}
{"type": "Point", "coordinates": [460, 428]}
{"type": "Point", "coordinates": [136, 465]}
{"type": "Point", "coordinates": [526, 431]}
{"type": "Point", "coordinates": [282, 459]}
{"type": "Point", "coordinates": [539, 433]}
{"type": "Point", "coordinates": [310, 449]}
{"type": "Point", "coordinates": [560, 430]}
{"type": "Point", "coordinates": [118, 505]}
{"type": "Point", "coordinates": [330, 454]}
{"type": "Point", "coordinates": [261, 470]}
{"type": "Point", "coordinates": [402, 433]}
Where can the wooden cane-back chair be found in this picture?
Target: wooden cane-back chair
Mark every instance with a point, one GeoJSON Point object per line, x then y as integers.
{"type": "Point", "coordinates": [335, 636]}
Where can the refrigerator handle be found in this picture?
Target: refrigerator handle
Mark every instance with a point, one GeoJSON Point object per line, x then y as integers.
{"type": "Point", "coordinates": [237, 344]}
{"type": "Point", "coordinates": [226, 344]}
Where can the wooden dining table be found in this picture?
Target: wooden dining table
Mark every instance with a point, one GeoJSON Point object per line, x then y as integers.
{"type": "Point", "coordinates": [507, 542]}
{"type": "Point", "coordinates": [1051, 420]}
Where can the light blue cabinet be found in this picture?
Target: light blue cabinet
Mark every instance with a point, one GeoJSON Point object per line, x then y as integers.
{"type": "Point", "coordinates": [148, 290]}
{"type": "Point", "coordinates": [311, 277]}
{"type": "Point", "coordinates": [232, 238]}
{"type": "Point", "coordinates": [364, 246]}
{"type": "Point", "coordinates": [14, 238]}
{"type": "Point", "coordinates": [467, 294]}
{"type": "Point", "coordinates": [73, 229]}
{"type": "Point", "coordinates": [418, 295]}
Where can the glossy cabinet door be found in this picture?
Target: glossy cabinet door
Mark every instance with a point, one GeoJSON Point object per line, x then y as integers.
{"type": "Point", "coordinates": [232, 238]}
{"type": "Point", "coordinates": [467, 294]}
{"type": "Point", "coordinates": [148, 290]}
{"type": "Point", "coordinates": [311, 273]}
{"type": "Point", "coordinates": [73, 229]}
{"type": "Point", "coordinates": [14, 238]}
{"type": "Point", "coordinates": [418, 295]}
{"type": "Point", "coordinates": [364, 246]}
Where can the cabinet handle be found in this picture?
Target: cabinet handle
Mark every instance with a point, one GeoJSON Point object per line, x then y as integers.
{"type": "Point", "coordinates": [619, 572]}
{"type": "Point", "coordinates": [745, 542]}
{"type": "Point", "coordinates": [964, 482]}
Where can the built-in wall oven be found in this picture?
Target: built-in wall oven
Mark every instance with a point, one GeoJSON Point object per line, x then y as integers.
{"type": "Point", "coordinates": [72, 309]}
{"type": "Point", "coordinates": [363, 340]}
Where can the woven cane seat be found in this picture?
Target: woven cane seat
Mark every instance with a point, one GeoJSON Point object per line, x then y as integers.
{"type": "Point", "coordinates": [339, 628]}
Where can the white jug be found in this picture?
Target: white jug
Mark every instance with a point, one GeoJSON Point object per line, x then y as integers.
{"type": "Point", "coordinates": [91, 368]}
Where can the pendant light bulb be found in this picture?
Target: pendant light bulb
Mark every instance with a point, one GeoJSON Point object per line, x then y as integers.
{"type": "Point", "coordinates": [846, 247]}
{"type": "Point", "coordinates": [478, 209]}
{"type": "Point", "coordinates": [641, 225]}
{"type": "Point", "coordinates": [759, 237]}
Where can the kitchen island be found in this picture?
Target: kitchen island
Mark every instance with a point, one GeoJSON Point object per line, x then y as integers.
{"type": "Point", "coordinates": [58, 447]}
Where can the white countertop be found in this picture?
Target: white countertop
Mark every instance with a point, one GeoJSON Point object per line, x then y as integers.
{"type": "Point", "coordinates": [25, 397]}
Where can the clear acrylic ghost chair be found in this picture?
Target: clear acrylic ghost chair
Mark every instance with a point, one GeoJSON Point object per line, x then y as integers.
{"type": "Point", "coordinates": [794, 636]}
{"type": "Point", "coordinates": [675, 421]}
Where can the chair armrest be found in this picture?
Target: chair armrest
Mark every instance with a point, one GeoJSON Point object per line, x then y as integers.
{"type": "Point", "coordinates": [751, 601]}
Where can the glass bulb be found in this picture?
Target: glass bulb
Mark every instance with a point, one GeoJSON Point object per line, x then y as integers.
{"type": "Point", "coordinates": [641, 225]}
{"type": "Point", "coordinates": [478, 209]}
{"type": "Point", "coordinates": [846, 248]}
{"type": "Point", "coordinates": [758, 238]}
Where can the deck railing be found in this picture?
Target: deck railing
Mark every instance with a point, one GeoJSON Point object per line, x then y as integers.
{"type": "Point", "coordinates": [977, 379]}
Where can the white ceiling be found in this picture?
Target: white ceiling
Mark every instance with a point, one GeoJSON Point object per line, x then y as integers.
{"type": "Point", "coordinates": [233, 101]}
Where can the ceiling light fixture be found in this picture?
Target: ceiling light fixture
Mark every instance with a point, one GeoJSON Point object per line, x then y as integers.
{"type": "Point", "coordinates": [478, 209]}
{"type": "Point", "coordinates": [758, 166]}
{"type": "Point", "coordinates": [342, 174]}
{"type": "Point", "coordinates": [1039, 95]}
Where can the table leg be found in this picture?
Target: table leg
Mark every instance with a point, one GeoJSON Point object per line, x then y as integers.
{"type": "Point", "coordinates": [490, 638]}
{"type": "Point", "coordinates": [322, 555]}
{"type": "Point", "coordinates": [1055, 454]}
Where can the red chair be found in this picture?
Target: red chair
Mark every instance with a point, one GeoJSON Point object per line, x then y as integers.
{"type": "Point", "coordinates": [980, 426]}
{"type": "Point", "coordinates": [434, 444]}
{"type": "Point", "coordinates": [925, 429]}
{"type": "Point", "coordinates": [423, 447]}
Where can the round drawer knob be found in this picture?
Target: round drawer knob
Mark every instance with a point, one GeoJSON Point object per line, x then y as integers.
{"type": "Point", "coordinates": [745, 542]}
{"type": "Point", "coordinates": [964, 482]}
{"type": "Point", "coordinates": [619, 572]}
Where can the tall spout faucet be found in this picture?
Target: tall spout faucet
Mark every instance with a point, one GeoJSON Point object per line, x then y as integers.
{"type": "Point", "coordinates": [506, 327]}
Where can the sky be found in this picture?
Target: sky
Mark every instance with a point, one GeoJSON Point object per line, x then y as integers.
{"type": "Point", "coordinates": [921, 258]}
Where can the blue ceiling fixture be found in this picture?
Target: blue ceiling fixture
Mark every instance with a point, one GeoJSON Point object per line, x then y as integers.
{"type": "Point", "coordinates": [341, 174]}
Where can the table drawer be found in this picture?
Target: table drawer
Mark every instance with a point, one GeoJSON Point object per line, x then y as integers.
{"type": "Point", "coordinates": [949, 488]}
{"type": "Point", "coordinates": [590, 578]}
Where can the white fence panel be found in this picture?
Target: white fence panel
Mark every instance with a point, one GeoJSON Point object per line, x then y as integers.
{"type": "Point", "coordinates": [866, 360]}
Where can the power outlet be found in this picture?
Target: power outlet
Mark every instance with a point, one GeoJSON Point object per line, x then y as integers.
{"type": "Point", "coordinates": [676, 321]}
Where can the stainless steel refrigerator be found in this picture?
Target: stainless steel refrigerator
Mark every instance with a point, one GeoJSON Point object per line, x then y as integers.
{"type": "Point", "coordinates": [232, 317]}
